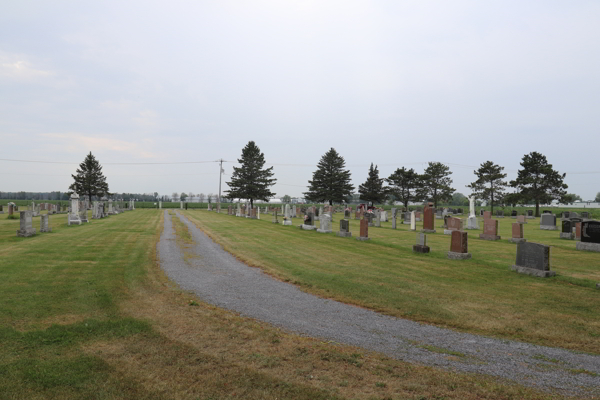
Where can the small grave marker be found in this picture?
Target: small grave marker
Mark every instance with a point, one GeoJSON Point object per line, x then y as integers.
{"type": "Point", "coordinates": [421, 246]}
{"type": "Point", "coordinates": [517, 233]}
{"type": "Point", "coordinates": [26, 224]}
{"type": "Point", "coordinates": [344, 228]}
{"type": "Point", "coordinates": [490, 230]}
{"type": "Point", "coordinates": [364, 230]}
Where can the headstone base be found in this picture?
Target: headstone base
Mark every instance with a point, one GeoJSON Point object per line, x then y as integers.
{"type": "Point", "coordinates": [288, 222]}
{"type": "Point", "coordinates": [324, 231]}
{"type": "Point", "coordinates": [417, 248]}
{"type": "Point", "coordinates": [74, 221]}
{"type": "Point", "coordinates": [585, 246]}
{"type": "Point", "coordinates": [362, 238]}
{"type": "Point", "coordinates": [438, 217]}
{"type": "Point", "coordinates": [45, 230]}
{"type": "Point", "coordinates": [344, 234]}
{"type": "Point", "coordinates": [418, 219]}
{"type": "Point", "coordinates": [489, 237]}
{"type": "Point", "coordinates": [371, 224]}
{"type": "Point", "coordinates": [568, 235]}
{"type": "Point", "coordinates": [308, 227]}
{"type": "Point", "coordinates": [499, 216]}
{"type": "Point", "coordinates": [548, 227]}
{"type": "Point", "coordinates": [528, 217]}
{"type": "Point", "coordinates": [26, 232]}
{"type": "Point", "coordinates": [533, 272]}
{"type": "Point", "coordinates": [406, 222]}
{"type": "Point", "coordinates": [517, 240]}
{"type": "Point", "coordinates": [428, 230]}
{"type": "Point", "coordinates": [447, 232]}
{"type": "Point", "coordinates": [513, 217]}
{"type": "Point", "coordinates": [458, 256]}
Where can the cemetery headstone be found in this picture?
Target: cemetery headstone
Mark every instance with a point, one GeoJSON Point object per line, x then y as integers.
{"type": "Point", "coordinates": [324, 224]}
{"type": "Point", "coordinates": [490, 230]}
{"type": "Point", "coordinates": [407, 217]}
{"type": "Point", "coordinates": [530, 214]}
{"type": "Point", "coordinates": [513, 214]}
{"type": "Point", "coordinates": [472, 222]}
{"type": "Point", "coordinates": [421, 245]}
{"type": "Point", "coordinates": [10, 209]}
{"type": "Point", "coordinates": [428, 219]}
{"type": "Point", "coordinates": [487, 215]}
{"type": "Point", "coordinates": [287, 217]}
{"type": "Point", "coordinates": [566, 214]}
{"type": "Point", "coordinates": [499, 214]}
{"type": "Point", "coordinates": [438, 214]}
{"type": "Point", "coordinates": [44, 223]}
{"type": "Point", "coordinates": [577, 230]}
{"type": "Point", "coordinates": [26, 224]}
{"type": "Point", "coordinates": [548, 222]}
{"type": "Point", "coordinates": [344, 228]}
{"type": "Point", "coordinates": [590, 236]}
{"type": "Point", "coordinates": [453, 224]}
{"type": "Point", "coordinates": [521, 219]}
{"type": "Point", "coordinates": [383, 216]}
{"type": "Point", "coordinates": [460, 211]}
{"type": "Point", "coordinates": [364, 230]}
{"type": "Point", "coordinates": [413, 221]}
{"type": "Point", "coordinates": [517, 233]}
{"type": "Point", "coordinates": [1, 209]}
{"type": "Point", "coordinates": [308, 224]}
{"type": "Point", "coordinates": [533, 259]}
{"type": "Point", "coordinates": [585, 214]}
{"type": "Point", "coordinates": [378, 218]}
{"type": "Point", "coordinates": [275, 219]}
{"type": "Point", "coordinates": [418, 215]}
{"type": "Point", "coordinates": [73, 217]}
{"type": "Point", "coordinates": [567, 230]}
{"type": "Point", "coordinates": [459, 248]}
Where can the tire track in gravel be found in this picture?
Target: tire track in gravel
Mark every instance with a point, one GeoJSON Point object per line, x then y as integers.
{"type": "Point", "coordinates": [220, 279]}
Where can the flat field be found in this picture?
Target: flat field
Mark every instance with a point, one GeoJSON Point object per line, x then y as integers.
{"type": "Point", "coordinates": [85, 312]}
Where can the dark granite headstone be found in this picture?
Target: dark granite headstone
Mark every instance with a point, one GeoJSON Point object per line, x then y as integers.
{"type": "Point", "coordinates": [590, 232]}
{"type": "Point", "coordinates": [513, 213]}
{"type": "Point", "coordinates": [548, 222]}
{"type": "Point", "coordinates": [533, 259]}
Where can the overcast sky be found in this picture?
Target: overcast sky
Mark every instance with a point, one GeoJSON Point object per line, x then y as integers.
{"type": "Point", "coordinates": [396, 83]}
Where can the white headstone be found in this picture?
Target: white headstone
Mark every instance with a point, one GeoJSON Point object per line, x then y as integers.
{"type": "Point", "coordinates": [471, 206]}
{"type": "Point", "coordinates": [413, 221]}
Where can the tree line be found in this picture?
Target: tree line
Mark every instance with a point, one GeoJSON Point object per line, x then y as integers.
{"type": "Point", "coordinates": [537, 182]}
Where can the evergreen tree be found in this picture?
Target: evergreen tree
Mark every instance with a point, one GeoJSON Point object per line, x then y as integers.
{"type": "Point", "coordinates": [89, 180]}
{"type": "Point", "coordinates": [489, 185]}
{"type": "Point", "coordinates": [436, 183]}
{"type": "Point", "coordinates": [249, 180]}
{"type": "Point", "coordinates": [330, 181]}
{"type": "Point", "coordinates": [404, 185]}
{"type": "Point", "coordinates": [538, 182]}
{"type": "Point", "coordinates": [372, 190]}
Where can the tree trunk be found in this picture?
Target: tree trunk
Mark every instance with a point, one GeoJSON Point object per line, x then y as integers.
{"type": "Point", "coordinates": [537, 209]}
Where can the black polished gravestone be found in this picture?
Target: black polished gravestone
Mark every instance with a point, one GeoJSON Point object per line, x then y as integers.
{"type": "Point", "coordinates": [513, 214]}
{"type": "Point", "coordinates": [590, 236]}
{"type": "Point", "coordinates": [567, 230]}
{"type": "Point", "coordinates": [533, 259]}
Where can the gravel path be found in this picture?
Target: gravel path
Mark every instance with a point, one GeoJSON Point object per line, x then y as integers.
{"type": "Point", "coordinates": [220, 279]}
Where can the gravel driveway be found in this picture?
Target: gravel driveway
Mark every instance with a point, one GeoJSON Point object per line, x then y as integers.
{"type": "Point", "coordinates": [220, 279]}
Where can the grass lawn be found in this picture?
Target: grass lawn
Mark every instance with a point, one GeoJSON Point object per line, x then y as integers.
{"type": "Point", "coordinates": [85, 312]}
{"type": "Point", "coordinates": [481, 295]}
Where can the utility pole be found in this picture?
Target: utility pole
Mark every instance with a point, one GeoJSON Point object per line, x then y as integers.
{"type": "Point", "coordinates": [220, 174]}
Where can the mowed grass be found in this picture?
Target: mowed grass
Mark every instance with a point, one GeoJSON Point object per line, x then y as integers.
{"type": "Point", "coordinates": [481, 295]}
{"type": "Point", "coordinates": [86, 312]}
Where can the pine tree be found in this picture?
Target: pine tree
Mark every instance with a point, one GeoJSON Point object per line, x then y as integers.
{"type": "Point", "coordinates": [330, 181]}
{"type": "Point", "coordinates": [372, 190]}
{"type": "Point", "coordinates": [89, 179]}
{"type": "Point", "coordinates": [538, 182]}
{"type": "Point", "coordinates": [249, 180]}
{"type": "Point", "coordinates": [489, 185]}
{"type": "Point", "coordinates": [404, 185]}
{"type": "Point", "coordinates": [436, 183]}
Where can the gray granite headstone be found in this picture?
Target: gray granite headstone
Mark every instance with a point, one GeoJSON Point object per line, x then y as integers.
{"type": "Point", "coordinates": [548, 222]}
{"type": "Point", "coordinates": [26, 224]}
{"type": "Point", "coordinates": [533, 259]}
